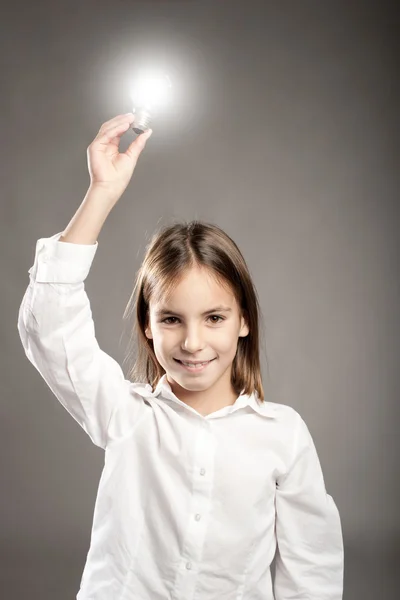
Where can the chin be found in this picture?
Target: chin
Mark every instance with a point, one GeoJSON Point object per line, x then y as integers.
{"type": "Point", "coordinates": [191, 384]}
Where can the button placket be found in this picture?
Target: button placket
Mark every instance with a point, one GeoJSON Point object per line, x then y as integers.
{"type": "Point", "coordinates": [203, 462]}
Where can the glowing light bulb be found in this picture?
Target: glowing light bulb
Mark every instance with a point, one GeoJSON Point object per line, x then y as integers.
{"type": "Point", "coordinates": [149, 94]}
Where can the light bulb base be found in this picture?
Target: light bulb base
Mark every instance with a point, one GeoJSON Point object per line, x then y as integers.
{"type": "Point", "coordinates": [142, 120]}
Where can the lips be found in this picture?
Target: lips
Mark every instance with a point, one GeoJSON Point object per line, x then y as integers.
{"type": "Point", "coordinates": [194, 368]}
{"type": "Point", "coordinates": [198, 362]}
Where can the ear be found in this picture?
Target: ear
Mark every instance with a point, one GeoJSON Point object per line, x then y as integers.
{"type": "Point", "coordinates": [147, 328]}
{"type": "Point", "coordinates": [244, 329]}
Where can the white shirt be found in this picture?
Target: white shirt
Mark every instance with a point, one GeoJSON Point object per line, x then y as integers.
{"type": "Point", "coordinates": [189, 507]}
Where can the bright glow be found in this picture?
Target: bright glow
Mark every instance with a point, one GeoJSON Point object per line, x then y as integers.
{"type": "Point", "coordinates": [151, 90]}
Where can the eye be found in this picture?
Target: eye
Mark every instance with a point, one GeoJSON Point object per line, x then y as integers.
{"type": "Point", "coordinates": [219, 317]}
{"type": "Point", "coordinates": [167, 319]}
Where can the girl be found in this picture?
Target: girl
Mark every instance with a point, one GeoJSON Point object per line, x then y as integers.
{"type": "Point", "coordinates": [204, 481]}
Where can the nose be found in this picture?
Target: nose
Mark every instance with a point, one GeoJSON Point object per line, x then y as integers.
{"type": "Point", "coordinates": [192, 341]}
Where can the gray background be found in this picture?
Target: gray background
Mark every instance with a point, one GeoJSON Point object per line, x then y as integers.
{"type": "Point", "coordinates": [283, 132]}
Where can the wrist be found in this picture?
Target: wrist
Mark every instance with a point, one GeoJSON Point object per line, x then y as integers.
{"type": "Point", "coordinates": [103, 193]}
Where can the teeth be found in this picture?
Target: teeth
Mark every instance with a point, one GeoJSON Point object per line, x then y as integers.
{"type": "Point", "coordinates": [194, 365]}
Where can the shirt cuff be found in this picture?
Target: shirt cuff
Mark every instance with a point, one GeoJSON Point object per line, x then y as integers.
{"type": "Point", "coordinates": [61, 262]}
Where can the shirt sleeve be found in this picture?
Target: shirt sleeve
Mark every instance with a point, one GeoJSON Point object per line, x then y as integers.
{"type": "Point", "coordinates": [309, 558]}
{"type": "Point", "coordinates": [57, 332]}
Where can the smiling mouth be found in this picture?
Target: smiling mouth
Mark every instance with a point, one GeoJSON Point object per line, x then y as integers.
{"type": "Point", "coordinates": [194, 364]}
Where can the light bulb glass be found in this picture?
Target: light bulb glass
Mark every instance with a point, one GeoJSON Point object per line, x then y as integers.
{"type": "Point", "coordinates": [149, 94]}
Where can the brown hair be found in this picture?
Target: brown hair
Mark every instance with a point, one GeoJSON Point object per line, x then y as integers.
{"type": "Point", "coordinates": [170, 253]}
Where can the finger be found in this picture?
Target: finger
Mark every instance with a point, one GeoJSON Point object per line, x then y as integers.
{"type": "Point", "coordinates": [116, 120]}
{"type": "Point", "coordinates": [116, 131]}
{"type": "Point", "coordinates": [129, 117]}
{"type": "Point", "coordinates": [138, 145]}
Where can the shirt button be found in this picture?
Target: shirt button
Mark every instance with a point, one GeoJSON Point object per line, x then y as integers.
{"type": "Point", "coordinates": [202, 471]}
{"type": "Point", "coordinates": [198, 517]}
{"type": "Point", "coordinates": [188, 565]}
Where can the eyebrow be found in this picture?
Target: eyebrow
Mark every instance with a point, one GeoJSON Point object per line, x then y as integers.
{"type": "Point", "coordinates": [165, 311]}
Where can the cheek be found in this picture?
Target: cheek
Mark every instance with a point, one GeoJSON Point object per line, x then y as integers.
{"type": "Point", "coordinates": [163, 338]}
{"type": "Point", "coordinates": [226, 342]}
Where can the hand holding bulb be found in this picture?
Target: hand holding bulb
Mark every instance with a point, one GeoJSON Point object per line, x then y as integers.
{"type": "Point", "coordinates": [110, 169]}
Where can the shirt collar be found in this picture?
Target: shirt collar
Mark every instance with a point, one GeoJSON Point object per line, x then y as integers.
{"type": "Point", "coordinates": [265, 409]}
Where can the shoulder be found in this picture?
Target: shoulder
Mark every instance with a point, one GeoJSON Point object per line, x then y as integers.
{"type": "Point", "coordinates": [281, 412]}
{"type": "Point", "coordinates": [289, 422]}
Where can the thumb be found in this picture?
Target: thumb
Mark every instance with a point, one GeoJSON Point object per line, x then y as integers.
{"type": "Point", "coordinates": [134, 150]}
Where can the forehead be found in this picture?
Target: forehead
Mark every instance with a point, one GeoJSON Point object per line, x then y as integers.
{"type": "Point", "coordinates": [198, 288]}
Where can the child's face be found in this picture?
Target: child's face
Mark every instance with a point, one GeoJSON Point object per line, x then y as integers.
{"type": "Point", "coordinates": [185, 333]}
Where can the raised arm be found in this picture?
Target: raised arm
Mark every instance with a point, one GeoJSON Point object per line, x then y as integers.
{"type": "Point", "coordinates": [55, 319]}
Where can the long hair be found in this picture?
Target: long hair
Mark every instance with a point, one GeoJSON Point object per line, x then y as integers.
{"type": "Point", "coordinates": [172, 251]}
